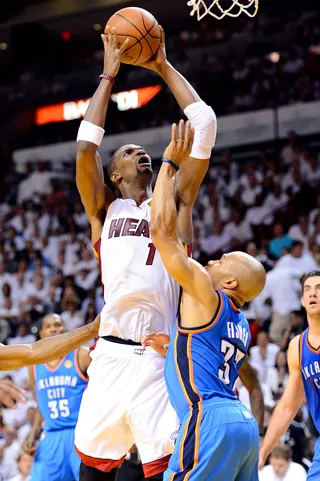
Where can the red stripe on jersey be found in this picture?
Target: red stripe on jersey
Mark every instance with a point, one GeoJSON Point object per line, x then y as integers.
{"type": "Point", "coordinates": [97, 251]}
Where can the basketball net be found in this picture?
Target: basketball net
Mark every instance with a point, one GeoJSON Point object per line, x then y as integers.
{"type": "Point", "coordinates": [235, 8]}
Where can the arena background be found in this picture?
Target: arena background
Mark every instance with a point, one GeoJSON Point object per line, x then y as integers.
{"type": "Point", "coordinates": [261, 194]}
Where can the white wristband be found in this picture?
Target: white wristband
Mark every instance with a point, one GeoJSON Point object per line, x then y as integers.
{"type": "Point", "coordinates": [204, 122]}
{"type": "Point", "coordinates": [90, 133]}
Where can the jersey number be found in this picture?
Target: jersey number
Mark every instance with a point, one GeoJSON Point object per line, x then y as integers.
{"type": "Point", "coordinates": [228, 350]}
{"type": "Point", "coordinates": [152, 252]}
{"type": "Point", "coordinates": [59, 408]}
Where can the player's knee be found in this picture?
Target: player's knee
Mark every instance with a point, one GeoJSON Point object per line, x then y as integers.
{"type": "Point", "coordinates": [87, 473]}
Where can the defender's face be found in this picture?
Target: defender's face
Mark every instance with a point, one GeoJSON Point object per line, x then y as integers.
{"type": "Point", "coordinates": [311, 295]}
{"type": "Point", "coordinates": [131, 161]}
{"type": "Point", "coordinates": [218, 270]}
{"type": "Point", "coordinates": [52, 326]}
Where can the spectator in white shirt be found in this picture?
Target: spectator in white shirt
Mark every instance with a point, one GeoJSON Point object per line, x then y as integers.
{"type": "Point", "coordinates": [80, 217]}
{"type": "Point", "coordinates": [263, 355]}
{"type": "Point", "coordinates": [283, 288]}
{"type": "Point", "coordinates": [71, 317]}
{"type": "Point", "coordinates": [218, 242]}
{"type": "Point", "coordinates": [298, 260]}
{"type": "Point", "coordinates": [11, 445]}
{"type": "Point", "coordinates": [277, 376]}
{"type": "Point", "coordinates": [250, 192]}
{"type": "Point", "coordinates": [22, 335]}
{"type": "Point", "coordinates": [259, 214]}
{"type": "Point", "coordinates": [8, 310]}
{"type": "Point", "coordinates": [302, 231]}
{"type": "Point", "coordinates": [288, 153]}
{"type": "Point", "coordinates": [7, 468]}
{"type": "Point", "coordinates": [276, 199]}
{"type": "Point", "coordinates": [238, 228]}
{"type": "Point", "coordinates": [315, 212]}
{"type": "Point", "coordinates": [25, 462]}
{"type": "Point", "coordinates": [281, 467]}
{"type": "Point", "coordinates": [25, 429]}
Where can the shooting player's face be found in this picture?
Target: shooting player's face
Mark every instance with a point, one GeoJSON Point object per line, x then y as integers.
{"type": "Point", "coordinates": [131, 161]}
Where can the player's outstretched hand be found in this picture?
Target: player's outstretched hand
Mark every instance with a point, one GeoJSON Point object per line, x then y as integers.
{"type": "Point", "coordinates": [159, 59]}
{"type": "Point", "coordinates": [112, 53]}
{"type": "Point", "coordinates": [10, 394]}
{"type": "Point", "coordinates": [159, 341]}
{"type": "Point", "coordinates": [179, 148]}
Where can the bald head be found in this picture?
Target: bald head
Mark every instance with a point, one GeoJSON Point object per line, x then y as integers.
{"type": "Point", "coordinates": [238, 272]}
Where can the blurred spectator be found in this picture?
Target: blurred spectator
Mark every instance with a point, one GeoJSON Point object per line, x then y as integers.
{"type": "Point", "coordinates": [25, 462]}
{"type": "Point", "coordinates": [22, 335]}
{"type": "Point", "coordinates": [283, 289]}
{"type": "Point", "coordinates": [281, 467]}
{"type": "Point", "coordinates": [301, 261]}
{"type": "Point", "coordinates": [295, 327]}
{"type": "Point", "coordinates": [277, 376]}
{"type": "Point", "coordinates": [72, 317]}
{"type": "Point", "coordinates": [263, 355]}
{"type": "Point", "coordinates": [7, 468]}
{"type": "Point", "coordinates": [279, 242]}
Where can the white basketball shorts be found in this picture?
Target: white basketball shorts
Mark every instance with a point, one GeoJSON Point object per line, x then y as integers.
{"type": "Point", "coordinates": [126, 402]}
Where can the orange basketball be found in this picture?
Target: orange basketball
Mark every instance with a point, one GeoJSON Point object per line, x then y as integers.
{"type": "Point", "coordinates": [143, 32]}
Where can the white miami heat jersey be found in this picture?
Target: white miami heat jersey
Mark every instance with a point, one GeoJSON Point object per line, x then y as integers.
{"type": "Point", "coordinates": [140, 296]}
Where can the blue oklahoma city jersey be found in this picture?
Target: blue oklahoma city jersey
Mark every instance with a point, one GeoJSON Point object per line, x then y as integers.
{"type": "Point", "coordinates": [59, 392]}
{"type": "Point", "coordinates": [310, 368]}
{"type": "Point", "coordinates": [204, 363]}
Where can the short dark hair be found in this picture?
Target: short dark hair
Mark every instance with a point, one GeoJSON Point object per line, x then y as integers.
{"type": "Point", "coordinates": [315, 273]}
{"type": "Point", "coordinates": [282, 451]}
{"type": "Point", "coordinates": [111, 166]}
{"type": "Point", "coordinates": [296, 243]}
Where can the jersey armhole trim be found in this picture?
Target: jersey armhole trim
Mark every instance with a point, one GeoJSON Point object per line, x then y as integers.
{"type": "Point", "coordinates": [214, 320]}
{"type": "Point", "coordinates": [300, 349]}
{"type": "Point", "coordinates": [77, 365]}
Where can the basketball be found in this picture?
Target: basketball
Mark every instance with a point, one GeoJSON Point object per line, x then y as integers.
{"type": "Point", "coordinates": [143, 32]}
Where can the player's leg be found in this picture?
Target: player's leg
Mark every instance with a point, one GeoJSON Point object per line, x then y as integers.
{"type": "Point", "coordinates": [51, 464]}
{"type": "Point", "coordinates": [152, 419]}
{"type": "Point", "coordinates": [249, 468]}
{"type": "Point", "coordinates": [212, 444]}
{"type": "Point", "coordinates": [102, 435]}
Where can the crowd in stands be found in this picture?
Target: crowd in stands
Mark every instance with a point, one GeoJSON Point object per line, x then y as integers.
{"type": "Point", "coordinates": [247, 77]}
{"type": "Point", "coordinates": [270, 209]}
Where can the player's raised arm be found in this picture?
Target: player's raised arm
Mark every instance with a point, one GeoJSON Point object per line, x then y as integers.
{"type": "Point", "coordinates": [204, 123]}
{"type": "Point", "coordinates": [189, 274]}
{"type": "Point", "coordinates": [16, 356]}
{"type": "Point", "coordinates": [95, 195]}
{"type": "Point", "coordinates": [251, 382]}
{"type": "Point", "coordinates": [288, 405]}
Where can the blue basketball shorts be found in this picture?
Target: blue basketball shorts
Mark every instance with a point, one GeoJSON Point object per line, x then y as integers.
{"type": "Point", "coordinates": [217, 441]}
{"type": "Point", "coordinates": [56, 459]}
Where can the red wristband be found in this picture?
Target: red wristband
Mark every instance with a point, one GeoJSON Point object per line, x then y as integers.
{"type": "Point", "coordinates": [107, 77]}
